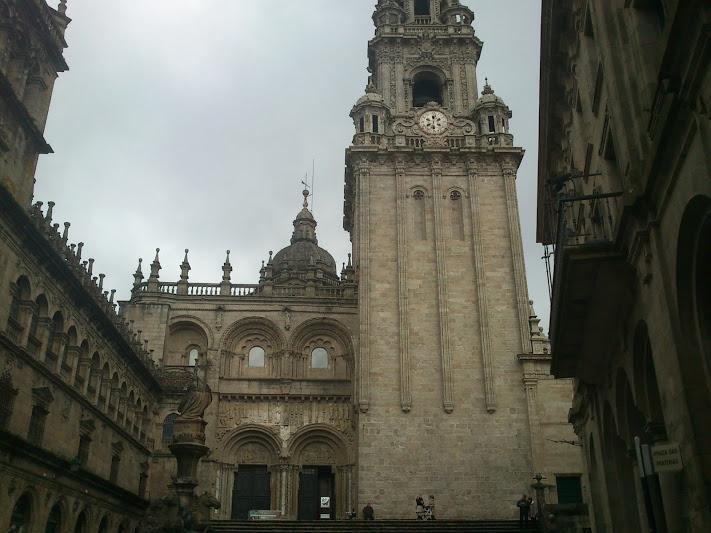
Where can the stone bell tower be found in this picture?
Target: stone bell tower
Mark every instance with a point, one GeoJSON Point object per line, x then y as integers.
{"type": "Point", "coordinates": [430, 203]}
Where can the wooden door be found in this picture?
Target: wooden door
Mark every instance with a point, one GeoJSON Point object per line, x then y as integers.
{"type": "Point", "coordinates": [252, 491]}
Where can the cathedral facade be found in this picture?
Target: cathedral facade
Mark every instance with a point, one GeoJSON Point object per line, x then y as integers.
{"type": "Point", "coordinates": [416, 368]}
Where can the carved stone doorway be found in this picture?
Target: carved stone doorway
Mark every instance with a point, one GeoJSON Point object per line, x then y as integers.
{"type": "Point", "coordinates": [317, 493]}
{"type": "Point", "coordinates": [251, 492]}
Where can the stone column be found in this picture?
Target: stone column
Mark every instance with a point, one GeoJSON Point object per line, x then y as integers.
{"type": "Point", "coordinates": [530, 385]}
{"type": "Point", "coordinates": [480, 283]}
{"type": "Point", "coordinates": [519, 267]}
{"type": "Point", "coordinates": [363, 184]}
{"type": "Point", "coordinates": [404, 344]}
{"type": "Point", "coordinates": [442, 295]}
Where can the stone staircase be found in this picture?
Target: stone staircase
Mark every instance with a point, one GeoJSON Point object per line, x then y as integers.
{"type": "Point", "coordinates": [376, 526]}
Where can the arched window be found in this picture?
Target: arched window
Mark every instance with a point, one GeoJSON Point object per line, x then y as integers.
{"type": "Point", "coordinates": [103, 526]}
{"type": "Point", "coordinates": [80, 526]}
{"type": "Point", "coordinates": [319, 358]}
{"type": "Point", "coordinates": [419, 216]}
{"type": "Point", "coordinates": [426, 87]}
{"type": "Point", "coordinates": [54, 521]}
{"type": "Point", "coordinates": [456, 215]}
{"type": "Point", "coordinates": [168, 425]}
{"type": "Point", "coordinates": [20, 518]}
{"type": "Point", "coordinates": [193, 355]}
{"type": "Point", "coordinates": [256, 357]}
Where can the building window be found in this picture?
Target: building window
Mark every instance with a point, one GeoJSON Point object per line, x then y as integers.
{"type": "Point", "coordinates": [168, 425]}
{"type": "Point", "coordinates": [80, 526]}
{"type": "Point", "coordinates": [54, 521]}
{"type": "Point", "coordinates": [193, 355]}
{"type": "Point", "coordinates": [492, 125]}
{"type": "Point", "coordinates": [362, 124]}
{"type": "Point", "coordinates": [115, 463]}
{"type": "Point", "coordinates": [20, 518]}
{"type": "Point", "coordinates": [7, 398]}
{"type": "Point", "coordinates": [375, 124]}
{"type": "Point", "coordinates": [597, 95]}
{"type": "Point", "coordinates": [456, 213]}
{"type": "Point", "coordinates": [426, 88]}
{"type": "Point", "coordinates": [256, 357]}
{"type": "Point", "coordinates": [422, 8]}
{"type": "Point", "coordinates": [588, 30]}
{"type": "Point", "coordinates": [83, 452]}
{"type": "Point", "coordinates": [142, 482]}
{"type": "Point", "coordinates": [588, 161]}
{"type": "Point", "coordinates": [319, 358]}
{"type": "Point", "coordinates": [569, 490]}
{"type": "Point", "coordinates": [419, 216]}
{"type": "Point", "coordinates": [37, 422]}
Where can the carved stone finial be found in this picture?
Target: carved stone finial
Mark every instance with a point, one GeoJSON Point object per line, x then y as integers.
{"type": "Point", "coordinates": [306, 193]}
{"type": "Point", "coordinates": [62, 8]}
{"type": "Point", "coordinates": [487, 87]}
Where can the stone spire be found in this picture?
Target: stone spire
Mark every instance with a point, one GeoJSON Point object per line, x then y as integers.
{"type": "Point", "coordinates": [62, 8]}
{"type": "Point", "coordinates": [226, 284]}
{"type": "Point", "coordinates": [184, 271]}
{"type": "Point", "coordinates": [138, 274]}
{"type": "Point", "coordinates": [155, 270]}
{"type": "Point", "coordinates": [185, 267]}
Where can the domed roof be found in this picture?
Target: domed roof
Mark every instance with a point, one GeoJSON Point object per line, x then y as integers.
{"type": "Point", "coordinates": [488, 97]}
{"type": "Point", "coordinates": [371, 96]}
{"type": "Point", "coordinates": [303, 253]}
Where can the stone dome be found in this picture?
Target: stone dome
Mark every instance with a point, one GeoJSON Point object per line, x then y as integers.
{"type": "Point", "coordinates": [488, 97]}
{"type": "Point", "coordinates": [304, 253]}
{"type": "Point", "coordinates": [371, 96]}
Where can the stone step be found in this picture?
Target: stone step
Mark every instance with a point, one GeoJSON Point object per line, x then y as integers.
{"type": "Point", "coordinates": [376, 526]}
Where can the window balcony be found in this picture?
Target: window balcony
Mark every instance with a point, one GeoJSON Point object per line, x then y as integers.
{"type": "Point", "coordinates": [592, 285]}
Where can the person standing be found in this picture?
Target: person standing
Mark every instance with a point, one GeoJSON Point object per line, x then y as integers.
{"type": "Point", "coordinates": [420, 507]}
{"type": "Point", "coordinates": [368, 512]}
{"type": "Point", "coordinates": [524, 508]}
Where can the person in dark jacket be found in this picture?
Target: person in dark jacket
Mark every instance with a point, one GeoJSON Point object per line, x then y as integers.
{"type": "Point", "coordinates": [524, 508]}
{"type": "Point", "coordinates": [368, 512]}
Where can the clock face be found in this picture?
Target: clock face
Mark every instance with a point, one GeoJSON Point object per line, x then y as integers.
{"type": "Point", "coordinates": [433, 122]}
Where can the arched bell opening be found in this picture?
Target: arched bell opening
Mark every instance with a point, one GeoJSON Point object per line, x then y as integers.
{"type": "Point", "coordinates": [426, 88]}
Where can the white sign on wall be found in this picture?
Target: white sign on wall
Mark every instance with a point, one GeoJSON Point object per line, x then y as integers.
{"type": "Point", "coordinates": [667, 458]}
{"type": "Point", "coordinates": [325, 501]}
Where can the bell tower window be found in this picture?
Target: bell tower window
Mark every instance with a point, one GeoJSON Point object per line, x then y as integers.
{"type": "Point", "coordinates": [362, 124]}
{"type": "Point", "coordinates": [426, 88]}
{"type": "Point", "coordinates": [422, 8]}
{"type": "Point", "coordinates": [375, 124]}
{"type": "Point", "coordinates": [492, 125]}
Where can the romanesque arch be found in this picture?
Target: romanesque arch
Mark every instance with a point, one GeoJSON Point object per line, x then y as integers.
{"type": "Point", "coordinates": [319, 442]}
{"type": "Point", "coordinates": [251, 475]}
{"type": "Point", "coordinates": [249, 335]}
{"type": "Point", "coordinates": [327, 334]}
{"type": "Point", "coordinates": [187, 341]}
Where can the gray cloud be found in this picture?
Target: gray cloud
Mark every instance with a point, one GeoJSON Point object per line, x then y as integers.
{"type": "Point", "coordinates": [189, 125]}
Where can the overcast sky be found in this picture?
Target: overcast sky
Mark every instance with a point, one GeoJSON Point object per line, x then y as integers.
{"type": "Point", "coordinates": [190, 123]}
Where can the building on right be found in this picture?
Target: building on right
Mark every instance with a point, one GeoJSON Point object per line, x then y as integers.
{"type": "Point", "coordinates": [624, 205]}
